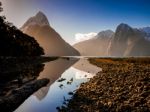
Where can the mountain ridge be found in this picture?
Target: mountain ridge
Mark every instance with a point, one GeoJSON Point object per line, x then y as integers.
{"type": "Point", "coordinates": [96, 45]}
{"type": "Point", "coordinates": [125, 41]}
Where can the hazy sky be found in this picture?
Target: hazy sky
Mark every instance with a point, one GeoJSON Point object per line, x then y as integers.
{"type": "Point", "coordinates": [72, 17]}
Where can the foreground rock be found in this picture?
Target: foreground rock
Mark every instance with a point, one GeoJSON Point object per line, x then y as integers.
{"type": "Point", "coordinates": [11, 101]}
{"type": "Point", "coordinates": [122, 86]}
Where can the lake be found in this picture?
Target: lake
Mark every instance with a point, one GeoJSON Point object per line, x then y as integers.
{"type": "Point", "coordinates": [65, 75]}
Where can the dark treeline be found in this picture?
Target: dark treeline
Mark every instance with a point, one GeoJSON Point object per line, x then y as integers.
{"type": "Point", "coordinates": [15, 43]}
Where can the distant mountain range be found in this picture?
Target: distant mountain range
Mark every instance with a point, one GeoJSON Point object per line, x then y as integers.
{"type": "Point", "coordinates": [38, 26]}
{"type": "Point", "coordinates": [97, 46]}
{"type": "Point", "coordinates": [146, 30]}
{"type": "Point", "coordinates": [125, 41]}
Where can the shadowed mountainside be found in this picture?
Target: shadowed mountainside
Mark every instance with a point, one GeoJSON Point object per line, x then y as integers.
{"type": "Point", "coordinates": [53, 44]}
{"type": "Point", "coordinates": [126, 41]}
{"type": "Point", "coordinates": [97, 46]}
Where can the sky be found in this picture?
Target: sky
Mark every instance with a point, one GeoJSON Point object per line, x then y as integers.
{"type": "Point", "coordinates": [77, 20]}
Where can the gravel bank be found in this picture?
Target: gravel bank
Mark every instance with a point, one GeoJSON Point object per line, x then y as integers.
{"type": "Point", "coordinates": [122, 86]}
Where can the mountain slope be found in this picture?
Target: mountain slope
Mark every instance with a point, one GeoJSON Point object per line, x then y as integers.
{"type": "Point", "coordinates": [146, 30]}
{"type": "Point", "coordinates": [97, 46]}
{"type": "Point", "coordinates": [128, 41]}
{"type": "Point", "coordinates": [38, 26]}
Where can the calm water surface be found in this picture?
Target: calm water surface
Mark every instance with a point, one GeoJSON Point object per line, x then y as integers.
{"type": "Point", "coordinates": [74, 71]}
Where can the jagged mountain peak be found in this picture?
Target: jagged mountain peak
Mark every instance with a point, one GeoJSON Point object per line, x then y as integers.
{"type": "Point", "coordinates": [40, 13]}
{"type": "Point", "coordinates": [105, 33]}
{"type": "Point", "coordinates": [145, 29]}
{"type": "Point", "coordinates": [39, 19]}
{"type": "Point", "coordinates": [124, 31]}
{"type": "Point", "coordinates": [124, 26]}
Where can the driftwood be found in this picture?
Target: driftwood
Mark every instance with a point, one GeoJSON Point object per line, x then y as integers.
{"type": "Point", "coordinates": [16, 97]}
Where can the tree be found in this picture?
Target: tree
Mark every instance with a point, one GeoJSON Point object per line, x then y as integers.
{"type": "Point", "coordinates": [15, 43]}
{"type": "Point", "coordinates": [1, 9]}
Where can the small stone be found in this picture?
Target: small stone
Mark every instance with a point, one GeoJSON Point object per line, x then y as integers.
{"type": "Point", "coordinates": [109, 103]}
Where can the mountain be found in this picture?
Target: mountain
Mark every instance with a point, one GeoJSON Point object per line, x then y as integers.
{"type": "Point", "coordinates": [38, 19]}
{"type": "Point", "coordinates": [53, 44]}
{"type": "Point", "coordinates": [128, 41]}
{"type": "Point", "coordinates": [97, 46]}
{"type": "Point", "coordinates": [105, 34]}
{"type": "Point", "coordinates": [146, 30]}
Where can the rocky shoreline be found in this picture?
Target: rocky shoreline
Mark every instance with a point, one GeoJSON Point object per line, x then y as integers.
{"type": "Point", "coordinates": [123, 85]}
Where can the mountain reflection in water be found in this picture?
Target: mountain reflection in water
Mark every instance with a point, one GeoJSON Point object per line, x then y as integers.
{"type": "Point", "coordinates": [65, 77]}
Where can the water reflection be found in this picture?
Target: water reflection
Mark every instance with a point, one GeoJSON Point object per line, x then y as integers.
{"type": "Point", "coordinates": [65, 76]}
{"type": "Point", "coordinates": [82, 74]}
{"type": "Point", "coordinates": [18, 76]}
{"type": "Point", "coordinates": [84, 65]}
{"type": "Point", "coordinates": [53, 71]}
{"type": "Point", "coordinates": [18, 81]}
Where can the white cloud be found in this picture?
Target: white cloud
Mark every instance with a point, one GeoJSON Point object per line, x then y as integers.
{"type": "Point", "coordinates": [81, 37]}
